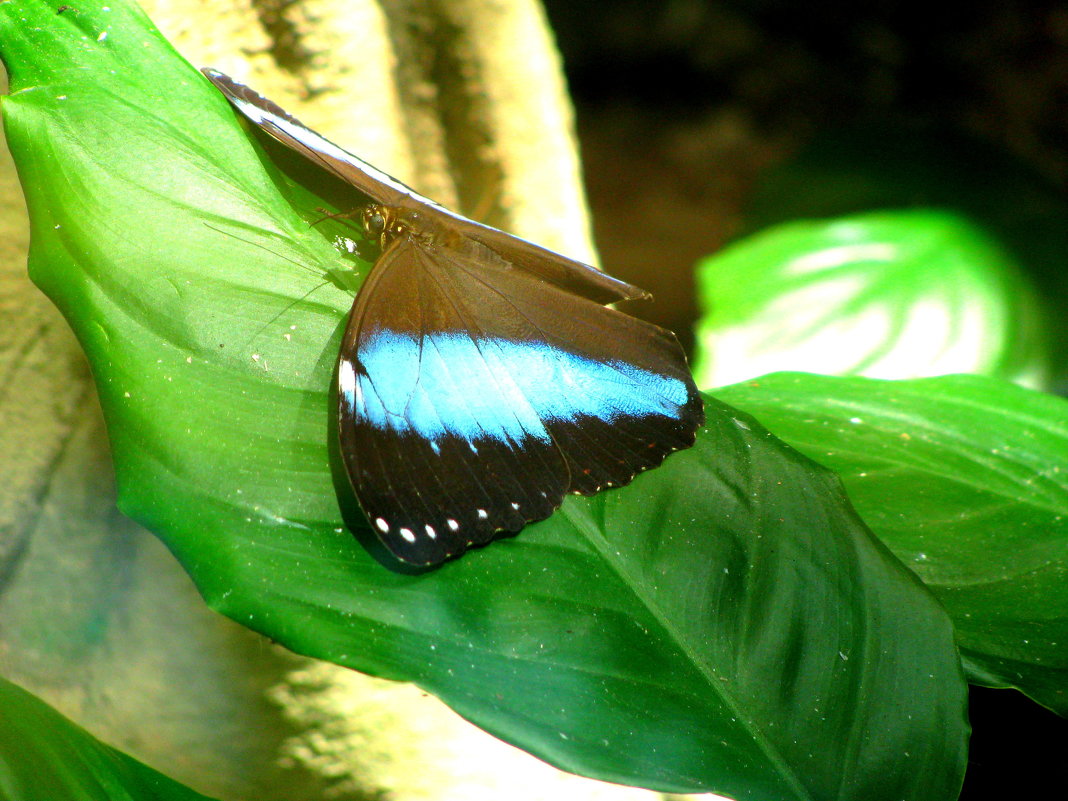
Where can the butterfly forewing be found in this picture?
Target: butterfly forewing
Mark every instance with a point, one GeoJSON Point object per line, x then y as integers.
{"type": "Point", "coordinates": [387, 190]}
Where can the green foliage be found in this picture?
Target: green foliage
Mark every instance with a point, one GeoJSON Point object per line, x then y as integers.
{"type": "Point", "coordinates": [893, 165]}
{"type": "Point", "coordinates": [44, 755]}
{"type": "Point", "coordinates": [963, 478]}
{"type": "Point", "coordinates": [890, 294]}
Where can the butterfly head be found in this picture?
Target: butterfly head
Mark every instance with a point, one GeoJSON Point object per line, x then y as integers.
{"type": "Point", "coordinates": [376, 221]}
{"type": "Point", "coordinates": [386, 223]}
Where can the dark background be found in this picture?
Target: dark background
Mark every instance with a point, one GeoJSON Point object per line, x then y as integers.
{"type": "Point", "coordinates": [685, 107]}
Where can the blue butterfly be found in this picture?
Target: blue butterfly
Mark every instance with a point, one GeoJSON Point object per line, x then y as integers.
{"type": "Point", "coordinates": [482, 377]}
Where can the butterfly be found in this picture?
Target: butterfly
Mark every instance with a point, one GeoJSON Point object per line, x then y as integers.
{"type": "Point", "coordinates": [482, 377]}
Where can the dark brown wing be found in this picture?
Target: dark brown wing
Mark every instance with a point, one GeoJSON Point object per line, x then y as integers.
{"type": "Point", "coordinates": [473, 397]}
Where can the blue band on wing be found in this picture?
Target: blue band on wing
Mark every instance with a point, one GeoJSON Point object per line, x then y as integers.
{"type": "Point", "coordinates": [450, 383]}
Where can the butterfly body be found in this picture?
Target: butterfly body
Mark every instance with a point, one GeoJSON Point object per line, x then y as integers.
{"type": "Point", "coordinates": [481, 377]}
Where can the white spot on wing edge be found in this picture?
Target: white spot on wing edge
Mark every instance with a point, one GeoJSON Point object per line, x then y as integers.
{"type": "Point", "coordinates": [408, 535]}
{"type": "Point", "coordinates": [348, 386]}
{"type": "Point", "coordinates": [482, 514]}
{"type": "Point", "coordinates": [382, 525]}
{"type": "Point", "coordinates": [431, 533]}
{"type": "Point", "coordinates": [453, 525]}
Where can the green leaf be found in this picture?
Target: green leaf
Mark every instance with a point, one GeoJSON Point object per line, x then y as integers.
{"type": "Point", "coordinates": [44, 755]}
{"type": "Point", "coordinates": [725, 623]}
{"type": "Point", "coordinates": [902, 294]}
{"type": "Point", "coordinates": [884, 164]}
{"type": "Point", "coordinates": [964, 479]}
{"type": "Point", "coordinates": [85, 592]}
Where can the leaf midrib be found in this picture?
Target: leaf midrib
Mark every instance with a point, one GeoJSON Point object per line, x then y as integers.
{"type": "Point", "coordinates": [610, 558]}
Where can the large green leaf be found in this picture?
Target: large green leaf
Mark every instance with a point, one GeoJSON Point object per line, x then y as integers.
{"type": "Point", "coordinates": [44, 755]}
{"type": "Point", "coordinates": [893, 294]}
{"type": "Point", "coordinates": [725, 623]}
{"type": "Point", "coordinates": [964, 479]}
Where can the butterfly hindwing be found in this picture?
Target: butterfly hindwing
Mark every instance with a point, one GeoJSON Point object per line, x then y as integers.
{"type": "Point", "coordinates": [474, 396]}
{"type": "Point", "coordinates": [440, 455]}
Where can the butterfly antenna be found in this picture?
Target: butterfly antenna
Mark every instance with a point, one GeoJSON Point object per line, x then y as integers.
{"type": "Point", "coordinates": [284, 311]}
{"type": "Point", "coordinates": [337, 215]}
{"type": "Point", "coordinates": [261, 247]}
{"type": "Point", "coordinates": [288, 306]}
